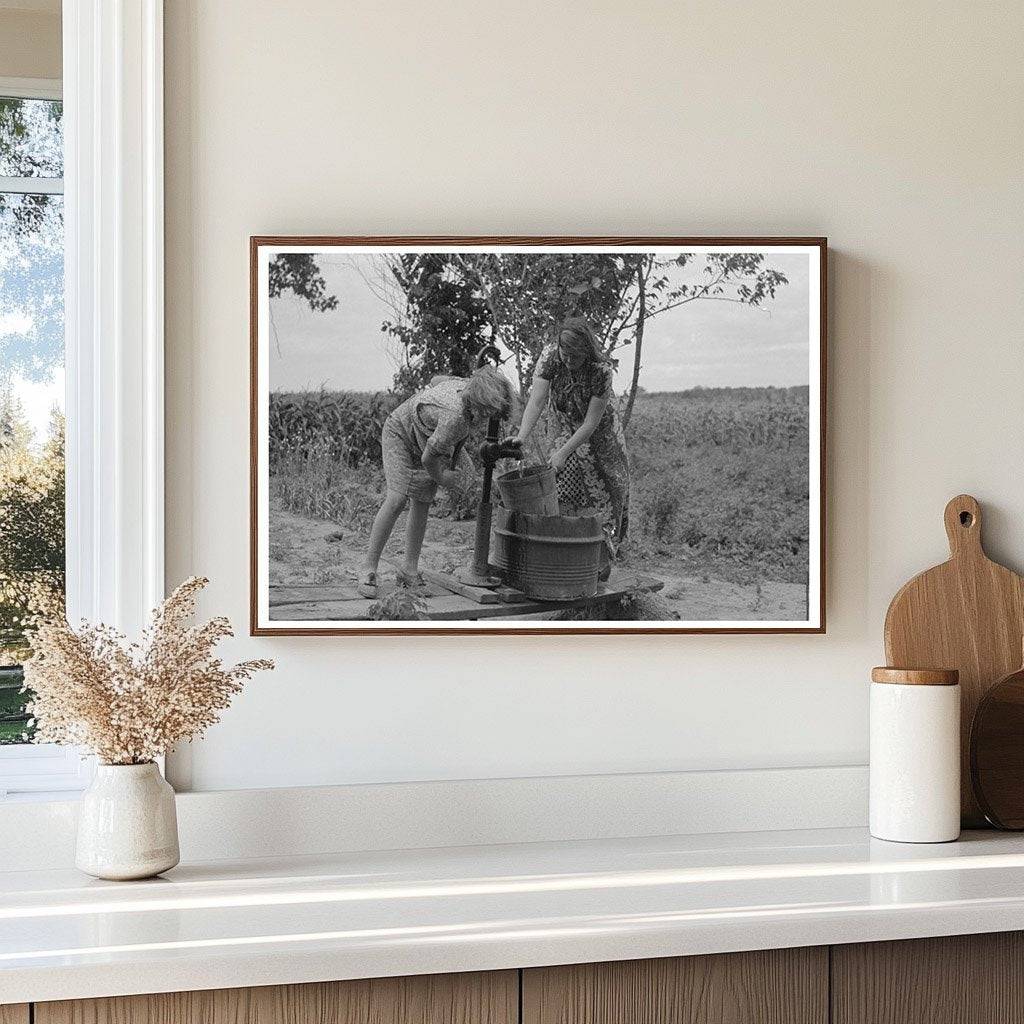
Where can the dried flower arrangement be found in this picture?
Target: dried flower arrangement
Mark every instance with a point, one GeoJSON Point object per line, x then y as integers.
{"type": "Point", "coordinates": [129, 703]}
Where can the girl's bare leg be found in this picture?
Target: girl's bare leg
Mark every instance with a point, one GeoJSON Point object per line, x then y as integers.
{"type": "Point", "coordinates": [383, 524]}
{"type": "Point", "coordinates": [415, 529]}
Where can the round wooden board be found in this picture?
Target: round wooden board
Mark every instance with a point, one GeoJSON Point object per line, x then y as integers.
{"type": "Point", "coordinates": [997, 752]}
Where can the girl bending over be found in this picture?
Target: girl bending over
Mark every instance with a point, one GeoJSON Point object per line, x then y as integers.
{"type": "Point", "coordinates": [423, 442]}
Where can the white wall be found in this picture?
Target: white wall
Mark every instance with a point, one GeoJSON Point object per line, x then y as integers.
{"type": "Point", "coordinates": [895, 129]}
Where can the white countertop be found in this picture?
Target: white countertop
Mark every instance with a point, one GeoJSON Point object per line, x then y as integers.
{"type": "Point", "coordinates": [261, 922]}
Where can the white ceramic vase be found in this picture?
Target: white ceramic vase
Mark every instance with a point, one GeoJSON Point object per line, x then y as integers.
{"type": "Point", "coordinates": [127, 825]}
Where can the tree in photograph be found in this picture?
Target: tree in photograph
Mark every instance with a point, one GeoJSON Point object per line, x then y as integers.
{"type": "Point", "coordinates": [442, 323]}
{"type": "Point", "coordinates": [298, 273]}
{"type": "Point", "coordinates": [654, 288]}
{"type": "Point", "coordinates": [529, 294]}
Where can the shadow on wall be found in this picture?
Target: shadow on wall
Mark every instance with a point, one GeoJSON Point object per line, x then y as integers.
{"type": "Point", "coordinates": [854, 286]}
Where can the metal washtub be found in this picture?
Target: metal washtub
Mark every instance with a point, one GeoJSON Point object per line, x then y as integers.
{"type": "Point", "coordinates": [551, 558]}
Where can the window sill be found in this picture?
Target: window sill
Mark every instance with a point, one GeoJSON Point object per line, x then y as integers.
{"type": "Point", "coordinates": [44, 771]}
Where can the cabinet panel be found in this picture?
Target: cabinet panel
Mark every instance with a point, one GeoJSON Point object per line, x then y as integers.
{"type": "Point", "coordinates": [481, 998]}
{"type": "Point", "coordinates": [14, 1013]}
{"type": "Point", "coordinates": [779, 986]}
{"type": "Point", "coordinates": [962, 979]}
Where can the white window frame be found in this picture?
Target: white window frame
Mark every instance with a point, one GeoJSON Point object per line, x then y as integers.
{"type": "Point", "coordinates": [32, 88]}
{"type": "Point", "coordinates": [114, 325]}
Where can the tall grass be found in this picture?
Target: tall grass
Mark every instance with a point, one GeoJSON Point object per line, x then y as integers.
{"type": "Point", "coordinates": [325, 453]}
{"type": "Point", "coordinates": [325, 457]}
{"type": "Point", "coordinates": [313, 481]}
{"type": "Point", "coordinates": [721, 476]}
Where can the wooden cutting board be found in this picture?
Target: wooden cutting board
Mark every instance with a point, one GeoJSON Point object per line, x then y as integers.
{"type": "Point", "coordinates": [967, 614]}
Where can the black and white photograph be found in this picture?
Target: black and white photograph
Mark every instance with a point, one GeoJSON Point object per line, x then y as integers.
{"type": "Point", "coordinates": [537, 435]}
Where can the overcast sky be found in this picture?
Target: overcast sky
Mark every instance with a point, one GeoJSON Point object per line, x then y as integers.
{"type": "Point", "coordinates": [714, 344]}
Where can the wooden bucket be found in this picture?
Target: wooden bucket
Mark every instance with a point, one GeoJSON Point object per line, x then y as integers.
{"type": "Point", "coordinates": [550, 558]}
{"type": "Point", "coordinates": [530, 489]}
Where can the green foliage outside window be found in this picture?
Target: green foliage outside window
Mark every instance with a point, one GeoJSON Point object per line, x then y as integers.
{"type": "Point", "coordinates": [31, 353]}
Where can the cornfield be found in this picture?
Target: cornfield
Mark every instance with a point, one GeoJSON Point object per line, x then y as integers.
{"type": "Point", "coordinates": [730, 417]}
{"type": "Point", "coordinates": [342, 426]}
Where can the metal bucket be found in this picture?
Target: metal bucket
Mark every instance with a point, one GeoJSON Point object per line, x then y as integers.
{"type": "Point", "coordinates": [531, 489]}
{"type": "Point", "coordinates": [551, 558]}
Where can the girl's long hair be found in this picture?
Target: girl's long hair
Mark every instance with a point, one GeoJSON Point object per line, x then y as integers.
{"type": "Point", "coordinates": [584, 340]}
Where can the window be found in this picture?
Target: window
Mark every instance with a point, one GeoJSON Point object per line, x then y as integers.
{"type": "Point", "coordinates": [32, 549]}
{"type": "Point", "coordinates": [109, 208]}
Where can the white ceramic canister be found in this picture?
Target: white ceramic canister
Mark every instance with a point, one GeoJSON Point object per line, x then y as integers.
{"type": "Point", "coordinates": [915, 755]}
{"type": "Point", "coordinates": [127, 825]}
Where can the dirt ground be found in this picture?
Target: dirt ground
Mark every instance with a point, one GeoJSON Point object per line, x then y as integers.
{"type": "Point", "coordinates": [310, 551]}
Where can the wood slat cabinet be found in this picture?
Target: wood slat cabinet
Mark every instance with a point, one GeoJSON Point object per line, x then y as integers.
{"type": "Point", "coordinates": [482, 998]}
{"type": "Point", "coordinates": [970, 979]}
{"type": "Point", "coordinates": [775, 986]}
{"type": "Point", "coordinates": [962, 979]}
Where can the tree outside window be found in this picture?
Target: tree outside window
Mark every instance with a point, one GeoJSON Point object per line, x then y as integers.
{"type": "Point", "coordinates": [31, 386]}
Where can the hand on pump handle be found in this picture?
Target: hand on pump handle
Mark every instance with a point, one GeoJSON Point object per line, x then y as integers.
{"type": "Point", "coordinates": [509, 448]}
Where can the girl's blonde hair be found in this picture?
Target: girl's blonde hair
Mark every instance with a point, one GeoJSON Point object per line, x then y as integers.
{"type": "Point", "coordinates": [582, 339]}
{"type": "Point", "coordinates": [487, 394]}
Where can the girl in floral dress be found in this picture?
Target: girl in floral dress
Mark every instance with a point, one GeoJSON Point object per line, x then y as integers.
{"type": "Point", "coordinates": [575, 377]}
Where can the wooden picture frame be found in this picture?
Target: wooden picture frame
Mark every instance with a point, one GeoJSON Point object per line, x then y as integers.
{"type": "Point", "coordinates": [263, 248]}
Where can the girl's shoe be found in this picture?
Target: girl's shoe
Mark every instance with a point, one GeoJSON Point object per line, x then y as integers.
{"type": "Point", "coordinates": [368, 584]}
{"type": "Point", "coordinates": [412, 581]}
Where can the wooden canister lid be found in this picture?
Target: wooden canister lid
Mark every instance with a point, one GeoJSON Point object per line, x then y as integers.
{"type": "Point", "coordinates": [916, 676]}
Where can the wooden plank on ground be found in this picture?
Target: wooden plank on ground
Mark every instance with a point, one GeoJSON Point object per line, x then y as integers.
{"type": "Point", "coordinates": [447, 606]}
{"type": "Point", "coordinates": [479, 595]}
{"type": "Point", "coordinates": [325, 611]}
{"type": "Point", "coordinates": [306, 593]}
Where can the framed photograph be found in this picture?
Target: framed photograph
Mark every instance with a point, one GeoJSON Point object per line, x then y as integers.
{"type": "Point", "coordinates": [537, 435]}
